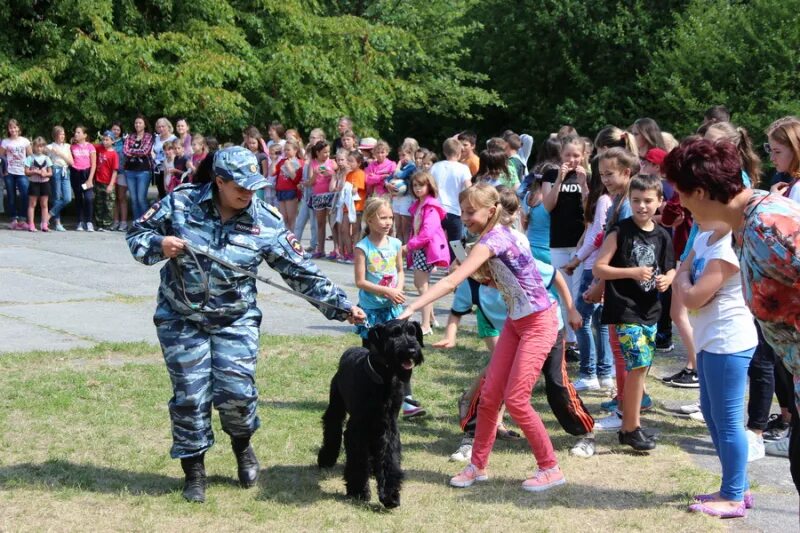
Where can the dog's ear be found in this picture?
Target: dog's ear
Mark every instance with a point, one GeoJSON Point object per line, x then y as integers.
{"type": "Point", "coordinates": [374, 338]}
{"type": "Point", "coordinates": [418, 332]}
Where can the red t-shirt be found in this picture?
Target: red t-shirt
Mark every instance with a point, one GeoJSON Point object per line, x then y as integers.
{"type": "Point", "coordinates": [107, 163]}
{"type": "Point", "coordinates": [283, 182]}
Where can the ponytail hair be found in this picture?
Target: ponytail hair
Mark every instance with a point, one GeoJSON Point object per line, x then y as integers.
{"type": "Point", "coordinates": [613, 137]}
{"type": "Point", "coordinates": [624, 160]}
{"type": "Point", "coordinates": [786, 131]}
{"type": "Point", "coordinates": [725, 131]}
{"type": "Point", "coordinates": [479, 196]}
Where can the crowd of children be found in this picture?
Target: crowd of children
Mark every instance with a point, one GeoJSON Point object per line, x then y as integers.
{"type": "Point", "coordinates": [586, 251]}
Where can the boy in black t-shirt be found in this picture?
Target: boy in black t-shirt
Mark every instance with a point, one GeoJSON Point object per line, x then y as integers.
{"type": "Point", "coordinates": [637, 262]}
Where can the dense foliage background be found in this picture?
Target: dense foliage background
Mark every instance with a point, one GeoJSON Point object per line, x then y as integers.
{"type": "Point", "coordinates": [422, 67]}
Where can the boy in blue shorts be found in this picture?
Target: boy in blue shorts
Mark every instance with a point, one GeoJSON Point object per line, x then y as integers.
{"type": "Point", "coordinates": [637, 262]}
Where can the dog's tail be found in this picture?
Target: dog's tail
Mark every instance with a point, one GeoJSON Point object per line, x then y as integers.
{"type": "Point", "coordinates": [332, 422]}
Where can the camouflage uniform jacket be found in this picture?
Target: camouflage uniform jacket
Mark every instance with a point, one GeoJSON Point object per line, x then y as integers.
{"type": "Point", "coordinates": [255, 234]}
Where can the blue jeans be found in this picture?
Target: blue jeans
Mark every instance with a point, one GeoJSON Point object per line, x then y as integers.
{"type": "Point", "coordinates": [14, 182]}
{"type": "Point", "coordinates": [723, 379]}
{"type": "Point", "coordinates": [303, 216]}
{"type": "Point", "coordinates": [596, 357]}
{"type": "Point", "coordinates": [138, 183]}
{"type": "Point", "coordinates": [60, 191]}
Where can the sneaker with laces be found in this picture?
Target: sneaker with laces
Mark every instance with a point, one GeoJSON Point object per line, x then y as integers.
{"type": "Point", "coordinates": [114, 226]}
{"type": "Point", "coordinates": [637, 440]}
{"type": "Point", "coordinates": [412, 411]}
{"type": "Point", "coordinates": [664, 347]}
{"type": "Point", "coordinates": [755, 446]}
{"type": "Point", "coordinates": [89, 226]}
{"type": "Point", "coordinates": [464, 452]}
{"type": "Point", "coordinates": [60, 227]}
{"type": "Point", "coordinates": [79, 227]}
{"type": "Point", "coordinates": [612, 422]}
{"type": "Point", "coordinates": [776, 428]}
{"type": "Point", "coordinates": [583, 448]}
{"type": "Point", "coordinates": [544, 480]}
{"type": "Point", "coordinates": [468, 476]}
{"type": "Point", "coordinates": [586, 384]}
{"type": "Point", "coordinates": [777, 448]}
{"type": "Point", "coordinates": [685, 379]}
{"type": "Point", "coordinates": [123, 226]}
{"type": "Point", "coordinates": [613, 404]}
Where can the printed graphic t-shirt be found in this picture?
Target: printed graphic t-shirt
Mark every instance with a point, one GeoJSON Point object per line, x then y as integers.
{"type": "Point", "coordinates": [16, 152]}
{"type": "Point", "coordinates": [381, 263]}
{"type": "Point", "coordinates": [628, 301]}
{"type": "Point", "coordinates": [566, 217]}
{"type": "Point", "coordinates": [514, 271]}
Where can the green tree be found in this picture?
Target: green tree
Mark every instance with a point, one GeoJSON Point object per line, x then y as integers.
{"type": "Point", "coordinates": [745, 55]}
{"type": "Point", "coordinates": [557, 62]}
{"type": "Point", "coordinates": [225, 64]}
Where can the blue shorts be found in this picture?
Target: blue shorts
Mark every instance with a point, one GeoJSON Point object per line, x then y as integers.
{"type": "Point", "coordinates": [285, 196]}
{"type": "Point", "coordinates": [638, 344]}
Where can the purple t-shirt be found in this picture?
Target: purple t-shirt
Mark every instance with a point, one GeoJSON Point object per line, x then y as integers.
{"type": "Point", "coordinates": [514, 272]}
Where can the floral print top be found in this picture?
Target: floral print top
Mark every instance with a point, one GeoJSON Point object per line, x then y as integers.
{"type": "Point", "coordinates": [769, 249]}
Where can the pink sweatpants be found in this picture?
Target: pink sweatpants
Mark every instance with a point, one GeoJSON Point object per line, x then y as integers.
{"type": "Point", "coordinates": [515, 366]}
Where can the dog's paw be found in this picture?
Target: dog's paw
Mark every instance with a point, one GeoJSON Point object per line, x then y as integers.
{"type": "Point", "coordinates": [326, 459]}
{"type": "Point", "coordinates": [362, 495]}
{"type": "Point", "coordinates": [391, 500]}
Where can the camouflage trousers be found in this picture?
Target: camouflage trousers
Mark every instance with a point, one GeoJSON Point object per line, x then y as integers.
{"type": "Point", "coordinates": [103, 206]}
{"type": "Point", "coordinates": [209, 365]}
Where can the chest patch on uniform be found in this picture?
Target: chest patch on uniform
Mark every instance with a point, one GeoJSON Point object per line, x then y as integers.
{"type": "Point", "coordinates": [150, 212]}
{"type": "Point", "coordinates": [294, 243]}
{"type": "Point", "coordinates": [247, 228]}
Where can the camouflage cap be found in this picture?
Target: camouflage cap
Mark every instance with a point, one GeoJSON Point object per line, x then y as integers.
{"type": "Point", "coordinates": [240, 165]}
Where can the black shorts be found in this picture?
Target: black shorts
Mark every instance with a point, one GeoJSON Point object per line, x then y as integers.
{"type": "Point", "coordinates": [36, 188]}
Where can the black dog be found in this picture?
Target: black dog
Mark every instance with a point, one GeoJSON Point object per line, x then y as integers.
{"type": "Point", "coordinates": [369, 387]}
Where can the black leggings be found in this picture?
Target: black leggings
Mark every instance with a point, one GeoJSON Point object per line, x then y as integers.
{"type": "Point", "coordinates": [767, 375]}
{"type": "Point", "coordinates": [84, 199]}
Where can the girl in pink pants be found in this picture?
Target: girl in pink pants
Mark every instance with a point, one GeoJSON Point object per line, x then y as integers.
{"type": "Point", "coordinates": [502, 257]}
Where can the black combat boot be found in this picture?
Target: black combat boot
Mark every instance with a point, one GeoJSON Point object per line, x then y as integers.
{"type": "Point", "coordinates": [194, 489]}
{"type": "Point", "coordinates": [246, 461]}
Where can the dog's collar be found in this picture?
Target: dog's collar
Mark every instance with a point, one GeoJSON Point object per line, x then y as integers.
{"type": "Point", "coordinates": [373, 375]}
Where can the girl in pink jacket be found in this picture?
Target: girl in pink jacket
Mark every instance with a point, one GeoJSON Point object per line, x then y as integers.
{"type": "Point", "coordinates": [427, 247]}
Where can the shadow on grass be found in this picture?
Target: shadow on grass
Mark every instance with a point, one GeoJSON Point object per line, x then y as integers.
{"type": "Point", "coordinates": [301, 405]}
{"type": "Point", "coordinates": [58, 474]}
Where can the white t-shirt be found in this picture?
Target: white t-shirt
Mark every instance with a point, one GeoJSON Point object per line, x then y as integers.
{"type": "Point", "coordinates": [16, 153]}
{"type": "Point", "coordinates": [451, 178]}
{"type": "Point", "coordinates": [724, 325]}
{"type": "Point", "coordinates": [53, 149]}
{"type": "Point", "coordinates": [794, 192]}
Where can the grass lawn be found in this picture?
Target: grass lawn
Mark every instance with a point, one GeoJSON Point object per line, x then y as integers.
{"type": "Point", "coordinates": [84, 440]}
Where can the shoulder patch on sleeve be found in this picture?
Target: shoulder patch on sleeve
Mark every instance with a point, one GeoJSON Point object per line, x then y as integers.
{"type": "Point", "coordinates": [295, 244]}
{"type": "Point", "coordinates": [150, 212]}
{"type": "Point", "coordinates": [273, 211]}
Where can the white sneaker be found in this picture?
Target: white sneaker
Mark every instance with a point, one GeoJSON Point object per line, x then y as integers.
{"type": "Point", "coordinates": [689, 409]}
{"type": "Point", "coordinates": [583, 448]}
{"type": "Point", "coordinates": [89, 226]}
{"type": "Point", "coordinates": [777, 448]}
{"type": "Point", "coordinates": [586, 384]}
{"type": "Point", "coordinates": [79, 227]}
{"type": "Point", "coordinates": [698, 416]}
{"type": "Point", "coordinates": [464, 452]}
{"type": "Point", "coordinates": [612, 422]}
{"type": "Point", "coordinates": [608, 383]}
{"type": "Point", "coordinates": [755, 446]}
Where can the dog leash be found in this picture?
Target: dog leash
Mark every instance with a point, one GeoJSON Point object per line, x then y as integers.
{"type": "Point", "coordinates": [193, 252]}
